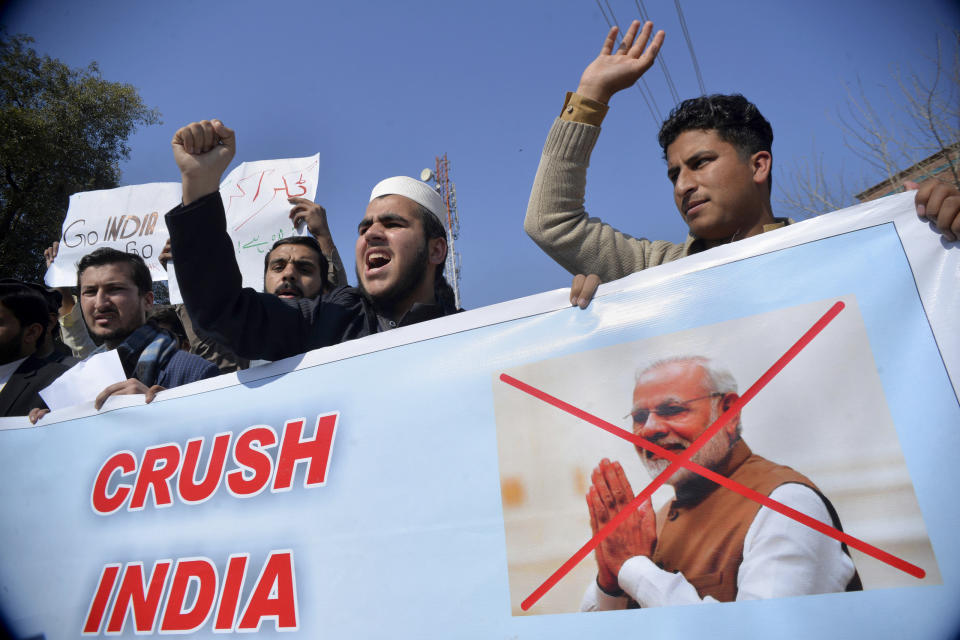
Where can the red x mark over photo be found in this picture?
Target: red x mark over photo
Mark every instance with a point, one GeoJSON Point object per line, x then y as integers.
{"type": "Point", "coordinates": [683, 459]}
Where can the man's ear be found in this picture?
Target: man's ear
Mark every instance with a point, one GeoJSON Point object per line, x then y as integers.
{"type": "Point", "coordinates": [31, 334]}
{"type": "Point", "coordinates": [437, 250]}
{"type": "Point", "coordinates": [728, 400]}
{"type": "Point", "coordinates": [148, 299]}
{"type": "Point", "coordinates": [761, 163]}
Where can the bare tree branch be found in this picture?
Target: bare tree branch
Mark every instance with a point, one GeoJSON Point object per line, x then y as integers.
{"type": "Point", "coordinates": [925, 121]}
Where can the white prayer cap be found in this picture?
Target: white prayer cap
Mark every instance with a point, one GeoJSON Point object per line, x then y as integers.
{"type": "Point", "coordinates": [420, 192]}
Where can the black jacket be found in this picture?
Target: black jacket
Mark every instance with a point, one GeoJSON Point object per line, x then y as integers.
{"type": "Point", "coordinates": [259, 325]}
{"type": "Point", "coordinates": [21, 393]}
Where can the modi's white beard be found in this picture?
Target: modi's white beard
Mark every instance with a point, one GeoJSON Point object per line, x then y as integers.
{"type": "Point", "coordinates": [710, 455]}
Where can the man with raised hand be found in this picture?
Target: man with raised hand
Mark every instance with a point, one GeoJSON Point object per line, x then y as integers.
{"type": "Point", "coordinates": [718, 150]}
{"type": "Point", "coordinates": [710, 543]}
{"type": "Point", "coordinates": [314, 216]}
{"type": "Point", "coordinates": [400, 253]}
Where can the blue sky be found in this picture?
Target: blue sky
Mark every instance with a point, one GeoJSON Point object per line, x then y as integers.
{"type": "Point", "coordinates": [381, 88]}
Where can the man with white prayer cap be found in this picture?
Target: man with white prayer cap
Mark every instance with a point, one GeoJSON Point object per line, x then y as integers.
{"type": "Point", "coordinates": [400, 254]}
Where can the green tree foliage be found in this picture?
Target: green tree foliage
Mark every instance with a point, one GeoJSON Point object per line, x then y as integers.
{"type": "Point", "coordinates": [62, 130]}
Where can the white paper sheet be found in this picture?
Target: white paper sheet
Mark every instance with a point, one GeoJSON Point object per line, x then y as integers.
{"type": "Point", "coordinates": [84, 381]}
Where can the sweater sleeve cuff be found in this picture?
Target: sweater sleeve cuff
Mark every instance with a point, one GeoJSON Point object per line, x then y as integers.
{"type": "Point", "coordinates": [571, 141]}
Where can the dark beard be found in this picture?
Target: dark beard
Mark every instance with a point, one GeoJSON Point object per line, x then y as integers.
{"type": "Point", "coordinates": [10, 351]}
{"type": "Point", "coordinates": [409, 281]}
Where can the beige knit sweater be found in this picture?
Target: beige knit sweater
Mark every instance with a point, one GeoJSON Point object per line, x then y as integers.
{"type": "Point", "coordinates": [557, 221]}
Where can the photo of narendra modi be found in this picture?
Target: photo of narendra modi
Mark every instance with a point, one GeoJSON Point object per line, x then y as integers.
{"type": "Point", "coordinates": [818, 439]}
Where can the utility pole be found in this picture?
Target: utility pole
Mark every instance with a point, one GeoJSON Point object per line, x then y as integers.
{"type": "Point", "coordinates": [448, 193]}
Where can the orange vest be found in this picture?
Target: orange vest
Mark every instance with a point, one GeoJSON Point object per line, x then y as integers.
{"type": "Point", "coordinates": [703, 539]}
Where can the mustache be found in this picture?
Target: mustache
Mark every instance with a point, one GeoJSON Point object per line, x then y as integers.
{"type": "Point", "coordinates": [288, 287]}
{"type": "Point", "coordinates": [664, 440]}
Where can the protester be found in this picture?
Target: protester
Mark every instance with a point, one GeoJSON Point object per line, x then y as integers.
{"type": "Point", "coordinates": [709, 543]}
{"type": "Point", "coordinates": [115, 296]}
{"type": "Point", "coordinates": [295, 267]}
{"type": "Point", "coordinates": [719, 159]}
{"type": "Point", "coordinates": [24, 318]}
{"type": "Point", "coordinates": [48, 349]}
{"type": "Point", "coordinates": [400, 254]}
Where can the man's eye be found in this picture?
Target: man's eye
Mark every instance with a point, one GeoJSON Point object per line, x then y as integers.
{"type": "Point", "coordinates": [671, 410]}
{"type": "Point", "coordinates": [640, 416]}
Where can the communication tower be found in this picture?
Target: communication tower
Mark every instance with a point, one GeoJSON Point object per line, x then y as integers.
{"type": "Point", "coordinates": [448, 193]}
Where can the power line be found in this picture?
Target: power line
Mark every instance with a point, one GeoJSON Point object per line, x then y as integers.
{"type": "Point", "coordinates": [610, 25]}
{"type": "Point", "coordinates": [661, 57]}
{"type": "Point", "coordinates": [654, 110]}
{"type": "Point", "coordinates": [604, 14]}
{"type": "Point", "coordinates": [693, 56]}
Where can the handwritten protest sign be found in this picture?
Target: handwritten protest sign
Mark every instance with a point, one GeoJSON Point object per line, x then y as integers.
{"type": "Point", "coordinates": [439, 469]}
{"type": "Point", "coordinates": [128, 219]}
{"type": "Point", "coordinates": [131, 219]}
{"type": "Point", "coordinates": [255, 201]}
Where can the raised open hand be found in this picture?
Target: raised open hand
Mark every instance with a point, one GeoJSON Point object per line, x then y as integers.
{"type": "Point", "coordinates": [612, 70]}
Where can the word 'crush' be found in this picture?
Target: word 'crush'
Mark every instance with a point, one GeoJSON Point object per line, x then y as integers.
{"type": "Point", "coordinates": [166, 464]}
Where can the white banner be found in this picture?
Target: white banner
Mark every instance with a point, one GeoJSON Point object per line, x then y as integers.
{"type": "Point", "coordinates": [428, 482]}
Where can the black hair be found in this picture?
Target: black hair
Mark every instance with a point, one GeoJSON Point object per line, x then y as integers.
{"type": "Point", "coordinates": [166, 316]}
{"type": "Point", "coordinates": [106, 255]}
{"type": "Point", "coordinates": [26, 305]}
{"type": "Point", "coordinates": [735, 119]}
{"type": "Point", "coordinates": [433, 228]}
{"type": "Point", "coordinates": [53, 298]}
{"type": "Point", "coordinates": [305, 241]}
